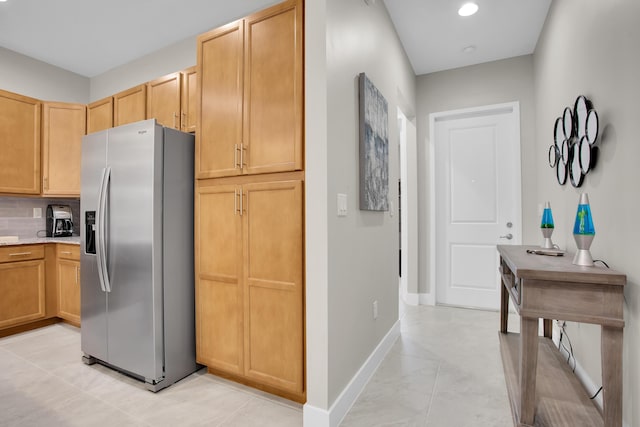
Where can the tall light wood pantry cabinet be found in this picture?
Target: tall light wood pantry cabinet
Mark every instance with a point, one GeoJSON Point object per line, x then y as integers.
{"type": "Point", "coordinates": [19, 144]}
{"type": "Point", "coordinates": [249, 216]}
{"type": "Point", "coordinates": [251, 83]}
{"type": "Point", "coordinates": [63, 126]}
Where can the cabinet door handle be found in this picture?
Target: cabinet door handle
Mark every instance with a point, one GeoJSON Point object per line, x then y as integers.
{"type": "Point", "coordinates": [45, 182]}
{"type": "Point", "coordinates": [20, 254]}
{"type": "Point", "coordinates": [235, 202]}
{"type": "Point", "coordinates": [77, 271]}
{"type": "Point", "coordinates": [241, 202]}
{"type": "Point", "coordinates": [235, 156]}
{"type": "Point", "coordinates": [175, 116]}
{"type": "Point", "coordinates": [242, 163]}
{"type": "Point", "coordinates": [184, 120]}
{"type": "Point", "coordinates": [65, 252]}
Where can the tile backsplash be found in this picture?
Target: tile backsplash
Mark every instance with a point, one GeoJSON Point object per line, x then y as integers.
{"type": "Point", "coordinates": [16, 215]}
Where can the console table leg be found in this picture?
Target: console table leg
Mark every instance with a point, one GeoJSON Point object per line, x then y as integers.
{"type": "Point", "coordinates": [611, 350]}
{"type": "Point", "coordinates": [548, 327]}
{"type": "Point", "coordinates": [528, 367]}
{"type": "Point", "coordinates": [504, 308]}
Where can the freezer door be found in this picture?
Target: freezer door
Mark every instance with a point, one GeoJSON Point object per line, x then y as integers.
{"type": "Point", "coordinates": [93, 300]}
{"type": "Point", "coordinates": [134, 250]}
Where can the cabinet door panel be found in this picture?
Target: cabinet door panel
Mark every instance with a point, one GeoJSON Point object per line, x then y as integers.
{"type": "Point", "coordinates": [220, 104]}
{"type": "Point", "coordinates": [130, 105]}
{"type": "Point", "coordinates": [189, 99]}
{"type": "Point", "coordinates": [163, 100]}
{"type": "Point", "coordinates": [63, 126]}
{"type": "Point", "coordinates": [22, 290]}
{"type": "Point", "coordinates": [273, 90]}
{"type": "Point", "coordinates": [69, 290]}
{"type": "Point", "coordinates": [219, 294]}
{"type": "Point", "coordinates": [100, 115]}
{"type": "Point", "coordinates": [273, 275]}
{"type": "Point", "coordinates": [19, 144]}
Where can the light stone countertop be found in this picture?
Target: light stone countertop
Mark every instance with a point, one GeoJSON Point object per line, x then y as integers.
{"type": "Point", "coordinates": [73, 240]}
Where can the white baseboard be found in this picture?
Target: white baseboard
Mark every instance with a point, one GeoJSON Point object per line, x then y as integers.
{"type": "Point", "coordinates": [317, 417]}
{"type": "Point", "coordinates": [411, 298]}
{"type": "Point", "coordinates": [428, 299]}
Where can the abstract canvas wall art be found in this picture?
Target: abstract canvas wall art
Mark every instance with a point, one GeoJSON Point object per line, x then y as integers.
{"type": "Point", "coordinates": [374, 147]}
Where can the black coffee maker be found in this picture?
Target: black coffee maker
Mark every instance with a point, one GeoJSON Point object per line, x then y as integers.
{"type": "Point", "coordinates": [59, 221]}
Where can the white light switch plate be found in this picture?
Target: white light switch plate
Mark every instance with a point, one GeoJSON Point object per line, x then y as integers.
{"type": "Point", "coordinates": [37, 212]}
{"type": "Point", "coordinates": [342, 204]}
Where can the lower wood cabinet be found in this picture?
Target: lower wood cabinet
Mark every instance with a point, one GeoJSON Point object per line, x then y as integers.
{"type": "Point", "coordinates": [68, 280]}
{"type": "Point", "coordinates": [22, 285]}
{"type": "Point", "coordinates": [249, 283]}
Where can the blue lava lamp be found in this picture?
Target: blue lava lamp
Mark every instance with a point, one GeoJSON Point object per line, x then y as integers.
{"type": "Point", "coordinates": [547, 226]}
{"type": "Point", "coordinates": [583, 232]}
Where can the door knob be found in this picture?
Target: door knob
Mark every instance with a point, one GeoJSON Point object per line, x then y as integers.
{"type": "Point", "coordinates": [509, 236]}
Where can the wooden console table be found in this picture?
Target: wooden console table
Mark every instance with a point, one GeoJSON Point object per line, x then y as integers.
{"type": "Point", "coordinates": [553, 288]}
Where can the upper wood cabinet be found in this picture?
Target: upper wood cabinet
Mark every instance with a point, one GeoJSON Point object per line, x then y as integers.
{"type": "Point", "coordinates": [189, 99]}
{"type": "Point", "coordinates": [63, 126]}
{"type": "Point", "coordinates": [130, 105]}
{"type": "Point", "coordinates": [250, 76]}
{"type": "Point", "coordinates": [19, 144]}
{"type": "Point", "coordinates": [164, 100]}
{"type": "Point", "coordinates": [100, 115]}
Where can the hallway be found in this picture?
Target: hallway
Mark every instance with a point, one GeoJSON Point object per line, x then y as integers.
{"type": "Point", "coordinates": [444, 370]}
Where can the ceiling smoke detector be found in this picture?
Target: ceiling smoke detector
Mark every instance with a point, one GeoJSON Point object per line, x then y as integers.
{"type": "Point", "coordinates": [469, 49]}
{"type": "Point", "coordinates": [468, 9]}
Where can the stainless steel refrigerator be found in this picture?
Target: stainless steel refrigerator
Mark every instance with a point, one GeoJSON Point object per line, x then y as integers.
{"type": "Point", "coordinates": [137, 273]}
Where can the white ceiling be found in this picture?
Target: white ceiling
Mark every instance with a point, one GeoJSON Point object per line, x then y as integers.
{"type": "Point", "coordinates": [91, 37]}
{"type": "Point", "coordinates": [434, 36]}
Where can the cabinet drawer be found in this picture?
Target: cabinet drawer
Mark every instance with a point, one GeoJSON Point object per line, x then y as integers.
{"type": "Point", "coordinates": [21, 253]}
{"type": "Point", "coordinates": [68, 251]}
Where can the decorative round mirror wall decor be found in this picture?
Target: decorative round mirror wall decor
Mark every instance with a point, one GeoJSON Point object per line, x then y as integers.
{"type": "Point", "coordinates": [574, 151]}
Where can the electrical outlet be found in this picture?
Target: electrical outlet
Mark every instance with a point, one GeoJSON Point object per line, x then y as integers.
{"type": "Point", "coordinates": [375, 309]}
{"type": "Point", "coordinates": [37, 212]}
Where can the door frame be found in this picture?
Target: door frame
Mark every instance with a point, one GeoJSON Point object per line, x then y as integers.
{"type": "Point", "coordinates": [408, 160]}
{"type": "Point", "coordinates": [511, 108]}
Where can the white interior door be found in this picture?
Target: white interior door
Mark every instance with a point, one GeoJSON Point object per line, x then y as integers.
{"type": "Point", "coordinates": [477, 182]}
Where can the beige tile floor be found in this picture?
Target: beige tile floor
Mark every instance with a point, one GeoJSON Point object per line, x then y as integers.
{"type": "Point", "coordinates": [444, 370]}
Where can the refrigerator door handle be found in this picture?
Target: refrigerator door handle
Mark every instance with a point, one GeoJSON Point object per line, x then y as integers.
{"type": "Point", "coordinates": [101, 251]}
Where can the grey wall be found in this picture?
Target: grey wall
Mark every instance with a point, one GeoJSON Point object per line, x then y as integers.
{"type": "Point", "coordinates": [489, 83]}
{"type": "Point", "coordinates": [362, 247]}
{"type": "Point", "coordinates": [16, 216]}
{"type": "Point", "coordinates": [30, 77]}
{"type": "Point", "coordinates": [175, 57]}
{"type": "Point", "coordinates": [590, 48]}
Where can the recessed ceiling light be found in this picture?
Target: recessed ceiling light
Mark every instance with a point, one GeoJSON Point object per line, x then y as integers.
{"type": "Point", "coordinates": [469, 49]}
{"type": "Point", "coordinates": [468, 9]}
